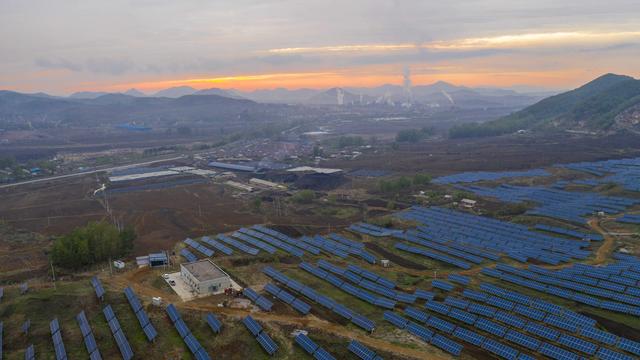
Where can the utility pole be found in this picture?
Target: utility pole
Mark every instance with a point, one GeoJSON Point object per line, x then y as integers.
{"type": "Point", "coordinates": [53, 274]}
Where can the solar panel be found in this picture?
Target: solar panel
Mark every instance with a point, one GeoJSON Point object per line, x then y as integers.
{"type": "Point", "coordinates": [598, 335]}
{"type": "Point", "coordinates": [463, 316]}
{"type": "Point", "coordinates": [322, 354]}
{"type": "Point", "coordinates": [578, 344]}
{"type": "Point", "coordinates": [150, 332]}
{"type": "Point", "coordinates": [267, 343]}
{"type": "Point", "coordinates": [440, 324]}
{"type": "Point", "coordinates": [361, 351]}
{"type": "Point", "coordinates": [123, 345]}
{"type": "Point", "coordinates": [469, 336]}
{"type": "Point", "coordinates": [97, 287]}
{"type": "Point", "coordinates": [173, 313]}
{"type": "Point", "coordinates": [30, 353]}
{"type": "Point", "coordinates": [606, 354]}
{"type": "Point", "coordinates": [214, 323]}
{"type": "Point", "coordinates": [523, 340]}
{"type": "Point", "coordinates": [629, 345]}
{"type": "Point", "coordinates": [306, 343]}
{"type": "Point", "coordinates": [419, 331]}
{"type": "Point", "coordinates": [252, 325]}
{"type": "Point", "coordinates": [447, 345]}
{"type": "Point", "coordinates": [500, 349]}
{"type": "Point", "coordinates": [182, 328]}
{"type": "Point", "coordinates": [491, 327]}
{"type": "Point", "coordinates": [395, 319]}
{"type": "Point", "coordinates": [557, 353]}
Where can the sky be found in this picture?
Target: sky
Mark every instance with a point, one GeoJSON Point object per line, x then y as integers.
{"type": "Point", "coordinates": [64, 46]}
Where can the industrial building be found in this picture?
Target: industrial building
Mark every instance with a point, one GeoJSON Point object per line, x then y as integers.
{"type": "Point", "coordinates": [204, 277]}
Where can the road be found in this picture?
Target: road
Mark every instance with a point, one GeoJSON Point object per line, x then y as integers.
{"type": "Point", "coordinates": [107, 169]}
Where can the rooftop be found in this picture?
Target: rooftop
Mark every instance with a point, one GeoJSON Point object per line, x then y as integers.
{"type": "Point", "coordinates": [204, 270]}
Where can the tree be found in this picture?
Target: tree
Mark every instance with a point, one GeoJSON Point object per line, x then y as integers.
{"type": "Point", "coordinates": [421, 179]}
{"type": "Point", "coordinates": [95, 242]}
{"type": "Point", "coordinates": [303, 197]}
{"type": "Point", "coordinates": [256, 204]}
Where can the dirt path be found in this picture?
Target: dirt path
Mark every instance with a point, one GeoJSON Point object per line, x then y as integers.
{"type": "Point", "coordinates": [605, 250]}
{"type": "Point", "coordinates": [312, 322]}
{"type": "Point", "coordinates": [144, 291]}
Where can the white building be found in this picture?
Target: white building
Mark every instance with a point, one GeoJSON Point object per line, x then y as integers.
{"type": "Point", "coordinates": [204, 277]}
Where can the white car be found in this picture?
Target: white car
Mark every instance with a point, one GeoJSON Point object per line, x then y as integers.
{"type": "Point", "coordinates": [166, 276]}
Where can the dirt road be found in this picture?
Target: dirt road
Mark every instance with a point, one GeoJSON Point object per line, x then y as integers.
{"type": "Point", "coordinates": [604, 251]}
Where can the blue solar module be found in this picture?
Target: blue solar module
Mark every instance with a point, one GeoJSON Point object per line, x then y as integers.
{"type": "Point", "coordinates": [150, 332]}
{"type": "Point", "coordinates": [463, 316]}
{"type": "Point", "coordinates": [440, 324]}
{"type": "Point", "coordinates": [306, 343]}
{"type": "Point", "coordinates": [469, 336]}
{"type": "Point", "coordinates": [629, 345]}
{"type": "Point", "coordinates": [362, 351]}
{"type": "Point", "coordinates": [510, 319]}
{"type": "Point", "coordinates": [557, 353]}
{"type": "Point", "coordinates": [460, 279]}
{"type": "Point", "coordinates": [424, 294]}
{"type": "Point", "coordinates": [443, 285]}
{"type": "Point", "coordinates": [188, 255]}
{"type": "Point", "coordinates": [491, 327]}
{"type": "Point", "coordinates": [301, 306]}
{"type": "Point", "coordinates": [447, 345]}
{"type": "Point", "coordinates": [252, 325]}
{"type": "Point", "coordinates": [217, 245]}
{"type": "Point", "coordinates": [56, 337]}
{"type": "Point", "coordinates": [182, 328]}
{"type": "Point", "coordinates": [395, 319]}
{"type": "Point", "coordinates": [522, 340]}
{"type": "Point", "coordinates": [419, 331]}
{"type": "Point", "coordinates": [481, 310]}
{"type": "Point", "coordinates": [599, 335]}
{"type": "Point", "coordinates": [542, 331]}
{"type": "Point", "coordinates": [531, 313]}
{"type": "Point", "coordinates": [500, 349]}
{"type": "Point", "coordinates": [416, 314]}
{"type": "Point", "coordinates": [30, 353]}
{"type": "Point", "coordinates": [606, 354]}
{"type": "Point", "coordinates": [123, 345]}
{"type": "Point", "coordinates": [238, 245]}
{"type": "Point", "coordinates": [267, 343]}
{"type": "Point", "coordinates": [173, 313]}
{"type": "Point", "coordinates": [363, 322]}
{"type": "Point", "coordinates": [148, 329]}
{"type": "Point", "coordinates": [322, 354]}
{"type": "Point", "coordinates": [578, 344]}
{"type": "Point", "coordinates": [97, 286]}
{"type": "Point", "coordinates": [214, 323]}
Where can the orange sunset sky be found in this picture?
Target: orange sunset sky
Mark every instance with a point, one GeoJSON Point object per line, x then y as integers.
{"type": "Point", "coordinates": [67, 46]}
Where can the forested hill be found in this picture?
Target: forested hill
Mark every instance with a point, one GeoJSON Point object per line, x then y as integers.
{"type": "Point", "coordinates": [607, 103]}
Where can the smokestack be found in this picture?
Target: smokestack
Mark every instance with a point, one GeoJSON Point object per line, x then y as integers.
{"type": "Point", "coordinates": [406, 75]}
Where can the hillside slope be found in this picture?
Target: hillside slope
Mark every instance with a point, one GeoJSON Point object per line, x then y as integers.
{"type": "Point", "coordinates": [595, 106]}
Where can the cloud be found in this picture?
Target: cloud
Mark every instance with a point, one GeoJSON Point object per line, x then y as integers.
{"type": "Point", "coordinates": [58, 64]}
{"type": "Point", "coordinates": [109, 66]}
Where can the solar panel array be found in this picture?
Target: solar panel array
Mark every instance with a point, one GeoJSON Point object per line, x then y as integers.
{"type": "Point", "coordinates": [571, 206]}
{"type": "Point", "coordinates": [272, 241]}
{"type": "Point", "coordinates": [423, 333]}
{"type": "Point", "coordinates": [487, 238]}
{"type": "Point", "coordinates": [214, 323]}
{"type": "Point", "coordinates": [329, 246]}
{"type": "Point", "coordinates": [56, 337]}
{"type": "Point", "coordinates": [254, 242]}
{"type": "Point", "coordinates": [146, 325]}
{"type": "Point", "coordinates": [238, 245]}
{"type": "Point", "coordinates": [199, 247]}
{"type": "Point", "coordinates": [97, 287]}
{"type": "Point", "coordinates": [325, 301]}
{"type": "Point", "coordinates": [351, 247]}
{"type": "Point", "coordinates": [372, 230]}
{"type": "Point", "coordinates": [629, 219]}
{"type": "Point", "coordinates": [363, 278]}
{"type": "Point", "coordinates": [188, 255]}
{"type": "Point", "coordinates": [118, 333]}
{"type": "Point", "coordinates": [625, 172]}
{"type": "Point", "coordinates": [217, 245]}
{"type": "Point", "coordinates": [289, 240]}
{"type": "Point", "coordinates": [348, 288]}
{"type": "Point", "coordinates": [362, 351]}
{"type": "Point", "coordinates": [262, 302]}
{"type": "Point", "coordinates": [542, 319]}
{"type": "Point", "coordinates": [553, 283]}
{"type": "Point", "coordinates": [263, 339]}
{"type": "Point", "coordinates": [568, 232]}
{"type": "Point", "coordinates": [312, 348]}
{"type": "Point", "coordinates": [87, 334]}
{"type": "Point", "coordinates": [286, 297]}
{"type": "Point", "coordinates": [469, 177]}
{"type": "Point", "coordinates": [189, 339]}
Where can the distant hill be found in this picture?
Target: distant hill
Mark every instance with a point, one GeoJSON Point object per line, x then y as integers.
{"type": "Point", "coordinates": [280, 95]}
{"type": "Point", "coordinates": [87, 94]}
{"type": "Point", "coordinates": [175, 92]}
{"type": "Point", "coordinates": [604, 104]}
{"type": "Point", "coordinates": [134, 92]}
{"type": "Point", "coordinates": [220, 92]}
{"type": "Point", "coordinates": [19, 111]}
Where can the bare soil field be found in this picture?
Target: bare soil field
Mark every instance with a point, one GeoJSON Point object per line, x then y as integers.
{"type": "Point", "coordinates": [511, 152]}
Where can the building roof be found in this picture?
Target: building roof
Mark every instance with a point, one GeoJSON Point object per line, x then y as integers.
{"type": "Point", "coordinates": [204, 270]}
{"type": "Point", "coordinates": [315, 170]}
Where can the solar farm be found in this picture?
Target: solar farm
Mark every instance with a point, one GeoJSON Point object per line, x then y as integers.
{"type": "Point", "coordinates": [436, 281]}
